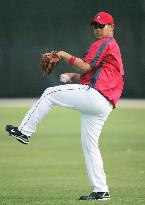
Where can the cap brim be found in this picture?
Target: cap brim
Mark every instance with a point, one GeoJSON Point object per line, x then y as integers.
{"type": "Point", "coordinates": [97, 21]}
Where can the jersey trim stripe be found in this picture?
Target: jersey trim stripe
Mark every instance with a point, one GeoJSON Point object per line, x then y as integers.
{"type": "Point", "coordinates": [100, 51]}
{"type": "Point", "coordinates": [95, 76]}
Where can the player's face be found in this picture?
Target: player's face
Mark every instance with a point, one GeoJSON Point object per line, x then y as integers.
{"type": "Point", "coordinates": [103, 31]}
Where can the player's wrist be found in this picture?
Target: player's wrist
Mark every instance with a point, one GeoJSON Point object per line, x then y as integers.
{"type": "Point", "coordinates": [72, 60]}
{"type": "Point", "coordinates": [64, 55]}
{"type": "Point", "coordinates": [61, 54]}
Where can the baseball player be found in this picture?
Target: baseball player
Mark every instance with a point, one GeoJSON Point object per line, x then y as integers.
{"type": "Point", "coordinates": [97, 93]}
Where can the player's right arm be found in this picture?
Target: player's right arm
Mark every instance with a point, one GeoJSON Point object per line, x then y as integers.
{"type": "Point", "coordinates": [73, 76]}
{"type": "Point", "coordinates": [78, 63]}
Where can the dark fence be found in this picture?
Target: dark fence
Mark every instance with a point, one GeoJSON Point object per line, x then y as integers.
{"type": "Point", "coordinates": [28, 28]}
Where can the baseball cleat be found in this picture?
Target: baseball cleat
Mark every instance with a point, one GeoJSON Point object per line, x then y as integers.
{"type": "Point", "coordinates": [13, 131]}
{"type": "Point", "coordinates": [100, 196]}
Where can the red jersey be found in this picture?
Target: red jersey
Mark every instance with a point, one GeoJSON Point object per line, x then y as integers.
{"type": "Point", "coordinates": [107, 71]}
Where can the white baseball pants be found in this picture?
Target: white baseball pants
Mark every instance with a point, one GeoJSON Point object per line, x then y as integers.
{"type": "Point", "coordinates": [94, 109]}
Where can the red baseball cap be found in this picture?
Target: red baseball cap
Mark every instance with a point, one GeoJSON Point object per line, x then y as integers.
{"type": "Point", "coordinates": [102, 18]}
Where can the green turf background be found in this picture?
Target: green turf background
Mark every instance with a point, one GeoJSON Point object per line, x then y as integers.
{"type": "Point", "coordinates": [51, 170]}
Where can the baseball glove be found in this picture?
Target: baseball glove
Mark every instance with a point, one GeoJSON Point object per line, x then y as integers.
{"type": "Point", "coordinates": [49, 62]}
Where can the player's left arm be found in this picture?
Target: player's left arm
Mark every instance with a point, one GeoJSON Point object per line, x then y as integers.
{"type": "Point", "coordinates": [79, 63]}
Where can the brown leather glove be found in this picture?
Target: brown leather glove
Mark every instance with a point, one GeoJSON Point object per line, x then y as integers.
{"type": "Point", "coordinates": [49, 62]}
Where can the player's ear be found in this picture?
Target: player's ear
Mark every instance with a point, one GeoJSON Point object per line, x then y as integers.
{"type": "Point", "coordinates": [112, 26]}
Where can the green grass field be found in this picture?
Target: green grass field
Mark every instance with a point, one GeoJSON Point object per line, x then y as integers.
{"type": "Point", "coordinates": [51, 170]}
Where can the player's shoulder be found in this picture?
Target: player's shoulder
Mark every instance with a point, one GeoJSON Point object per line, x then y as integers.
{"type": "Point", "coordinates": [104, 43]}
{"type": "Point", "coordinates": [114, 44]}
{"type": "Point", "coordinates": [106, 40]}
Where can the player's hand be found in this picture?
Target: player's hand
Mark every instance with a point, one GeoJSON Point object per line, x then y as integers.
{"type": "Point", "coordinates": [66, 77]}
{"type": "Point", "coordinates": [69, 77]}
